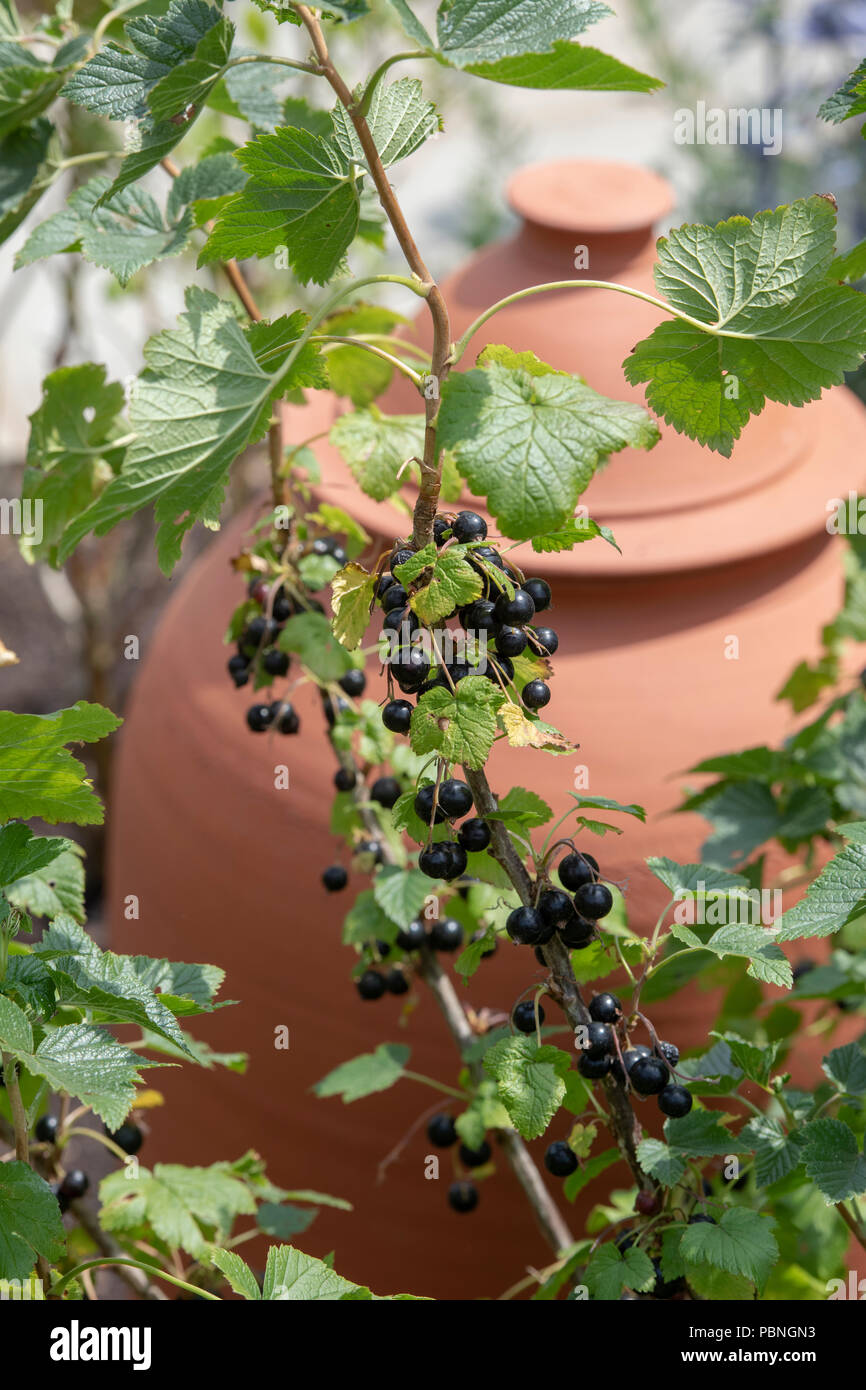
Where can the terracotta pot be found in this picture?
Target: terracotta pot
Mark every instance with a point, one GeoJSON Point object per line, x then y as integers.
{"type": "Point", "coordinates": [227, 868]}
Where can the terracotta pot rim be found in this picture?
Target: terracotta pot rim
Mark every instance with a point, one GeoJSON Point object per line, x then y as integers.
{"type": "Point", "coordinates": [590, 195]}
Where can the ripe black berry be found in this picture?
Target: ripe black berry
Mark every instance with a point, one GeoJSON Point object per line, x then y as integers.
{"type": "Point", "coordinates": [599, 1039]}
{"type": "Point", "coordinates": [675, 1101]}
{"type": "Point", "coordinates": [605, 1008]}
{"type": "Point", "coordinates": [535, 694]}
{"type": "Point", "coordinates": [259, 718]}
{"type": "Point", "coordinates": [700, 1218]}
{"type": "Point", "coordinates": [446, 935]}
{"type": "Point", "coordinates": [593, 900]}
{"type": "Point", "coordinates": [560, 1160]}
{"type": "Point", "coordinates": [670, 1052]}
{"type": "Point", "coordinates": [594, 1068]}
{"type": "Point", "coordinates": [555, 907]}
{"type": "Point", "coordinates": [275, 662]}
{"type": "Point", "coordinates": [400, 555]}
{"type": "Point", "coordinates": [527, 927]}
{"type": "Point", "coordinates": [455, 798]}
{"type": "Point", "coordinates": [412, 938]}
{"type": "Point", "coordinates": [475, 1158]}
{"type": "Point", "coordinates": [354, 682]}
{"type": "Point", "coordinates": [523, 1016]}
{"type": "Point", "coordinates": [345, 779]}
{"type": "Point", "coordinates": [397, 716]}
{"type": "Point", "coordinates": [46, 1129]}
{"type": "Point", "coordinates": [383, 583]}
{"type": "Point", "coordinates": [577, 869]}
{"type": "Point", "coordinates": [510, 641]}
{"type": "Point", "coordinates": [396, 982]}
{"type": "Point", "coordinates": [514, 612]}
{"type": "Point", "coordinates": [648, 1076]}
{"type": "Point", "coordinates": [463, 1196]}
{"type": "Point", "coordinates": [75, 1184]}
{"type": "Point", "coordinates": [288, 721]}
{"type": "Point", "coordinates": [385, 791]}
{"type": "Point", "coordinates": [371, 985]}
{"type": "Point", "coordinates": [457, 860]}
{"type": "Point", "coordinates": [634, 1054]}
{"type": "Point", "coordinates": [258, 632]}
{"type": "Point", "coordinates": [478, 616]}
{"type": "Point", "coordinates": [424, 806]}
{"type": "Point", "coordinates": [546, 638]}
{"type": "Point", "coordinates": [468, 526]}
{"type": "Point", "coordinates": [239, 669]}
{"type": "Point", "coordinates": [435, 862]}
{"type": "Point", "coordinates": [499, 670]}
{"type": "Point", "coordinates": [335, 878]}
{"type": "Point", "coordinates": [474, 835]}
{"type": "Point", "coordinates": [441, 1131]}
{"type": "Point", "coordinates": [577, 933]}
{"type": "Point", "coordinates": [394, 597]}
{"type": "Point", "coordinates": [283, 607]}
{"type": "Point", "coordinates": [411, 671]}
{"type": "Point", "coordinates": [393, 621]}
{"type": "Point", "coordinates": [539, 592]}
{"type": "Point", "coordinates": [441, 528]}
{"type": "Point", "coordinates": [490, 554]}
{"type": "Point", "coordinates": [129, 1137]}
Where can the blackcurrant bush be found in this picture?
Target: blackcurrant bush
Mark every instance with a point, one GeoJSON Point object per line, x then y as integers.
{"type": "Point", "coordinates": [675, 1101]}
{"type": "Point", "coordinates": [527, 927]}
{"type": "Point", "coordinates": [514, 612]}
{"type": "Point", "coordinates": [546, 638]}
{"type": "Point", "coordinates": [46, 1129]}
{"type": "Point", "coordinates": [594, 1068]}
{"type": "Point", "coordinates": [535, 694]}
{"type": "Point", "coordinates": [455, 798]}
{"type": "Point", "coordinates": [275, 662]}
{"type": "Point", "coordinates": [441, 1131]}
{"type": "Point", "coordinates": [560, 1159]}
{"type": "Point", "coordinates": [412, 938]}
{"type": "Point", "coordinates": [670, 1052]}
{"type": "Point", "coordinates": [474, 835]}
{"type": "Point", "coordinates": [510, 641]}
{"type": "Point", "coordinates": [345, 779]}
{"type": "Point", "coordinates": [128, 1137]}
{"type": "Point", "coordinates": [463, 1196]}
{"type": "Point", "coordinates": [605, 1008]}
{"type": "Point", "coordinates": [259, 718]}
{"type": "Point", "coordinates": [354, 682]}
{"type": "Point", "coordinates": [599, 1039]}
{"type": "Point", "coordinates": [446, 935]}
{"type": "Point", "coordinates": [523, 1016]}
{"type": "Point", "coordinates": [371, 985]}
{"type": "Point", "coordinates": [385, 791]}
{"type": "Point", "coordinates": [397, 716]}
{"type": "Point", "coordinates": [396, 982]}
{"type": "Point", "coordinates": [478, 616]}
{"type": "Point", "coordinates": [593, 900]}
{"type": "Point", "coordinates": [74, 1184]}
{"type": "Point", "coordinates": [539, 592]}
{"type": "Point", "coordinates": [648, 1076]}
{"type": "Point", "coordinates": [423, 804]}
{"type": "Point", "coordinates": [577, 869]}
{"type": "Point", "coordinates": [555, 907]}
{"type": "Point", "coordinates": [239, 669]}
{"type": "Point", "coordinates": [335, 878]}
{"type": "Point", "coordinates": [468, 526]}
{"type": "Point", "coordinates": [394, 597]}
{"type": "Point", "coordinates": [288, 720]}
{"type": "Point", "coordinates": [475, 1158]}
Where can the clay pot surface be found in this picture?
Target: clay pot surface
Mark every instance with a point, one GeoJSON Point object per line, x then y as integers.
{"type": "Point", "coordinates": [227, 868]}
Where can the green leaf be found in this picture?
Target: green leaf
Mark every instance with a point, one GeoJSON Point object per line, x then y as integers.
{"type": "Point", "coordinates": [460, 726]}
{"type": "Point", "coordinates": [836, 897]}
{"type": "Point", "coordinates": [531, 444]}
{"type": "Point", "coordinates": [833, 1159]}
{"type": "Point", "coordinates": [401, 893]}
{"type": "Point", "coordinates": [574, 532]}
{"type": "Point", "coordinates": [756, 1063]}
{"type": "Point", "coordinates": [777, 1153]}
{"type": "Point", "coordinates": [377, 448]}
{"type": "Point", "coordinates": [567, 67]}
{"type": "Point", "coordinates": [400, 120]}
{"type": "Point", "coordinates": [30, 1223]}
{"type": "Point", "coordinates": [530, 1081]}
{"type": "Point", "coordinates": [182, 1206]}
{"type": "Point", "coordinates": [449, 581]}
{"type": "Point", "coordinates": [16, 1035]}
{"type": "Point", "coordinates": [310, 636]}
{"type": "Point", "coordinates": [351, 597]}
{"type": "Point", "coordinates": [23, 853]}
{"type": "Point", "coordinates": [27, 86]}
{"type": "Point", "coordinates": [237, 1272]}
{"type": "Point", "coordinates": [248, 91]}
{"type": "Point", "coordinates": [366, 921]}
{"type": "Point", "coordinates": [363, 1076]}
{"type": "Point", "coordinates": [741, 1242]}
{"type": "Point", "coordinates": [355, 372]}
{"type": "Point", "coordinates": [743, 815]}
{"type": "Point", "coordinates": [483, 31]}
{"type": "Point", "coordinates": [522, 809]}
{"type": "Point", "coordinates": [414, 28]}
{"type": "Point", "coordinates": [849, 100]}
{"type": "Point", "coordinates": [300, 194]}
{"type": "Point", "coordinates": [852, 265]}
{"type": "Point", "coordinates": [27, 169]}
{"type": "Point", "coordinates": [272, 342]}
{"type": "Point", "coordinates": [846, 1067]}
{"type": "Point", "coordinates": [700, 1135]}
{"type": "Point", "coordinates": [57, 888]}
{"type": "Point", "coordinates": [291, 1275]}
{"type": "Point", "coordinates": [90, 1064]}
{"type": "Point", "coordinates": [38, 775]}
{"type": "Point", "coordinates": [190, 82]}
{"type": "Point", "coordinates": [768, 281]}
{"type": "Point", "coordinates": [196, 405]}
{"type": "Point", "coordinates": [610, 1270]}
{"type": "Point", "coordinates": [661, 1162]}
{"type": "Point", "coordinates": [692, 880]}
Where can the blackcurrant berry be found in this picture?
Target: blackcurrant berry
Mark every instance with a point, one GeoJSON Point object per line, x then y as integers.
{"type": "Point", "coordinates": [593, 901]}
{"type": "Point", "coordinates": [648, 1076]}
{"type": "Point", "coordinates": [700, 1218]}
{"type": "Point", "coordinates": [321, 546]}
{"type": "Point", "coordinates": [412, 670]}
{"type": "Point", "coordinates": [441, 1132]}
{"type": "Point", "coordinates": [441, 528]}
{"type": "Point", "coordinates": [345, 779]}
{"type": "Point", "coordinates": [634, 1054]}
{"type": "Point", "coordinates": [435, 862]}
{"type": "Point", "coordinates": [539, 592]}
{"type": "Point", "coordinates": [412, 938]}
{"type": "Point", "coordinates": [446, 935]}
{"type": "Point", "coordinates": [371, 985]}
{"type": "Point", "coordinates": [385, 791]}
{"type": "Point", "coordinates": [535, 694]}
{"type": "Point", "coordinates": [423, 804]}
{"type": "Point", "coordinates": [239, 669]}
{"type": "Point", "coordinates": [283, 607]}
{"type": "Point", "coordinates": [670, 1052]}
{"type": "Point", "coordinates": [400, 555]}
{"type": "Point", "coordinates": [605, 1008]}
{"type": "Point", "coordinates": [74, 1184]}
{"type": "Point", "coordinates": [394, 597]}
{"type": "Point", "coordinates": [457, 860]}
{"type": "Point", "coordinates": [259, 631]}
{"type": "Point", "coordinates": [510, 641]}
{"type": "Point", "coordinates": [675, 1101]}
{"type": "Point", "coordinates": [666, 1288]}
{"type": "Point", "coordinates": [384, 583]}
{"type": "Point", "coordinates": [490, 554]}
{"type": "Point", "coordinates": [555, 907]}
{"type": "Point", "coordinates": [275, 662]}
{"type": "Point", "coordinates": [523, 1016]}
{"type": "Point", "coordinates": [474, 835]}
{"type": "Point", "coordinates": [594, 1068]}
{"type": "Point", "coordinates": [354, 682]}
{"type": "Point", "coordinates": [396, 982]}
{"type": "Point", "coordinates": [468, 526]}
{"type": "Point", "coordinates": [514, 612]}
{"type": "Point", "coordinates": [335, 878]}
{"type": "Point", "coordinates": [560, 1159]}
{"type": "Point", "coordinates": [499, 669]}
{"type": "Point", "coordinates": [46, 1129]}
{"type": "Point", "coordinates": [475, 1158]}
{"type": "Point", "coordinates": [463, 1196]}
{"type": "Point", "coordinates": [546, 637]}
{"type": "Point", "coordinates": [599, 1039]}
{"type": "Point", "coordinates": [527, 927]}
{"type": "Point", "coordinates": [478, 616]}
{"type": "Point", "coordinates": [394, 620]}
{"type": "Point", "coordinates": [577, 933]}
{"type": "Point", "coordinates": [455, 798]}
{"type": "Point", "coordinates": [646, 1203]}
{"type": "Point", "coordinates": [128, 1137]}
{"type": "Point", "coordinates": [577, 869]}
{"type": "Point", "coordinates": [259, 718]}
{"type": "Point", "coordinates": [288, 720]}
{"type": "Point", "coordinates": [397, 716]}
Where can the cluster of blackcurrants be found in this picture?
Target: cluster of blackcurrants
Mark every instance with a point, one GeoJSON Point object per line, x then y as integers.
{"type": "Point", "coordinates": [504, 620]}
{"type": "Point", "coordinates": [449, 800]}
{"type": "Point", "coordinates": [442, 1133]}
{"type": "Point", "coordinates": [647, 1070]}
{"type": "Point", "coordinates": [572, 910]}
{"type": "Point", "coordinates": [444, 935]}
{"type": "Point", "coordinates": [75, 1182]}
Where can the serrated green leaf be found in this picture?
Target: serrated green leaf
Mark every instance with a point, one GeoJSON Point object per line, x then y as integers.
{"type": "Point", "coordinates": [756, 1063]}
{"type": "Point", "coordinates": [310, 636]}
{"type": "Point", "coordinates": [351, 596]}
{"type": "Point", "coordinates": [413, 26]}
{"type": "Point", "coordinates": [30, 1223]}
{"type": "Point", "coordinates": [836, 897]}
{"type": "Point", "coordinates": [365, 1075]}
{"type": "Point", "coordinates": [567, 67]}
{"type": "Point", "coordinates": [182, 1206]}
{"type": "Point", "coordinates": [378, 447]}
{"type": "Point", "coordinates": [23, 853]}
{"type": "Point", "coordinates": [530, 1081]}
{"type": "Point", "coordinates": [291, 1275]}
{"type": "Point", "coordinates": [16, 1035]}
{"type": "Point", "coordinates": [483, 31]}
{"type": "Point", "coordinates": [833, 1159]}
{"type": "Point", "coordinates": [27, 169]}
{"type": "Point", "coordinates": [449, 582]}
{"type": "Point", "coordinates": [574, 532]}
{"type": "Point", "coordinates": [38, 775]}
{"type": "Point", "coordinates": [401, 893]}
{"type": "Point", "coordinates": [700, 1135]}
{"type": "Point", "coordinates": [459, 725]}
{"type": "Point", "coordinates": [849, 100]}
{"type": "Point", "coordinates": [190, 82]}
{"type": "Point", "coordinates": [661, 1162]}
{"type": "Point", "coordinates": [777, 1152]}
{"type": "Point", "coordinates": [741, 1242]}
{"type": "Point", "coordinates": [400, 119]}
{"type": "Point", "coordinates": [610, 1270]}
{"type": "Point", "coordinates": [846, 1066]}
{"type": "Point", "coordinates": [57, 888]}
{"type": "Point", "coordinates": [236, 1271]}
{"type": "Point", "coordinates": [90, 1064]}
